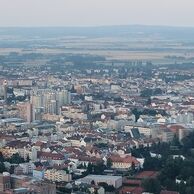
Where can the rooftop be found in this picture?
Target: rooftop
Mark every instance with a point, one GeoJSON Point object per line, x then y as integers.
{"type": "Point", "coordinates": [103, 177]}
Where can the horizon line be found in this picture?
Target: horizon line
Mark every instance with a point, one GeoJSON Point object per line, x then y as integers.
{"type": "Point", "coordinates": [95, 26]}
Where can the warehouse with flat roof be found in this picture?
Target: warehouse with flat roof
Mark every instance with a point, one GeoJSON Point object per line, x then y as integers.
{"type": "Point", "coordinates": [115, 181]}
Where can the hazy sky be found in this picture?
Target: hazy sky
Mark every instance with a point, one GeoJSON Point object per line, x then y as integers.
{"type": "Point", "coordinates": [96, 12]}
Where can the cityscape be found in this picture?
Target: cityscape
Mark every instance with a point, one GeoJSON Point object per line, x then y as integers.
{"type": "Point", "coordinates": [97, 109]}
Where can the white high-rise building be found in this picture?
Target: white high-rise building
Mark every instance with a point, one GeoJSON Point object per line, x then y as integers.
{"type": "Point", "coordinates": [34, 154]}
{"type": "Point", "coordinates": [52, 107]}
{"type": "Point", "coordinates": [49, 101]}
{"type": "Point", "coordinates": [37, 104]}
{"type": "Point", "coordinates": [63, 97]}
{"type": "Point", "coordinates": [37, 101]}
{"type": "Point", "coordinates": [5, 90]}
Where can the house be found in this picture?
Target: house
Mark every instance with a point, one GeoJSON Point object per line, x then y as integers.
{"type": "Point", "coordinates": [115, 181]}
{"type": "Point", "coordinates": [124, 162]}
{"type": "Point", "coordinates": [52, 157]}
{"type": "Point", "coordinates": [38, 173]}
{"type": "Point", "coordinates": [57, 175]}
{"type": "Point", "coordinates": [24, 168]}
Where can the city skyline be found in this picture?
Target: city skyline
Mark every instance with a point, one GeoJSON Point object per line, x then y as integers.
{"type": "Point", "coordinates": [96, 13]}
{"type": "Point", "coordinates": [96, 96]}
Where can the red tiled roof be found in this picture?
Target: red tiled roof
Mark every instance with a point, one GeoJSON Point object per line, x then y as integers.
{"type": "Point", "coordinates": [48, 155]}
{"type": "Point", "coordinates": [146, 174]}
{"type": "Point", "coordinates": [89, 159]}
{"type": "Point", "coordinates": [127, 159]}
{"type": "Point", "coordinates": [18, 144]}
{"type": "Point", "coordinates": [132, 182]}
{"type": "Point", "coordinates": [175, 128]}
{"type": "Point", "coordinates": [134, 190]}
{"type": "Point", "coordinates": [39, 168]}
{"type": "Point", "coordinates": [39, 143]}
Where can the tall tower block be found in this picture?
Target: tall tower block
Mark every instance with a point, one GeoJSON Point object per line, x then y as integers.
{"type": "Point", "coordinates": [5, 90]}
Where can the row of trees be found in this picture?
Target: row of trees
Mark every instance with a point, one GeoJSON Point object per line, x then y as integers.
{"type": "Point", "coordinates": [14, 159]}
{"type": "Point", "coordinates": [151, 92]}
{"type": "Point", "coordinates": [97, 168]}
{"type": "Point", "coordinates": [151, 112]}
{"type": "Point", "coordinates": [171, 169]}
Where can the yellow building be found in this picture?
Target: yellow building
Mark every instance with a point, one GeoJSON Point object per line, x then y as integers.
{"type": "Point", "coordinates": [57, 175]}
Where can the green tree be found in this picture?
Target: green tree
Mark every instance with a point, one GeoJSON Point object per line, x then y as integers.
{"type": "Point", "coordinates": [2, 167]}
{"type": "Point", "coordinates": [92, 182]}
{"type": "Point", "coordinates": [149, 101]}
{"type": "Point", "coordinates": [89, 168]}
{"type": "Point", "coordinates": [136, 113]}
{"type": "Point", "coordinates": [1, 157]}
{"type": "Point", "coordinates": [151, 185]}
{"type": "Point", "coordinates": [16, 159]}
{"type": "Point", "coordinates": [146, 92]}
{"type": "Point", "coordinates": [107, 188]}
{"type": "Point", "coordinates": [11, 170]}
{"type": "Point", "coordinates": [80, 166]}
{"type": "Point", "coordinates": [27, 159]}
{"type": "Point", "coordinates": [175, 141]}
{"type": "Point", "coordinates": [188, 143]}
{"type": "Point", "coordinates": [132, 169]}
{"type": "Point", "coordinates": [172, 168]}
{"type": "Point", "coordinates": [189, 190]}
{"type": "Point", "coordinates": [151, 163]}
{"type": "Point", "coordinates": [99, 168]}
{"type": "Point", "coordinates": [182, 188]}
{"type": "Point", "coordinates": [109, 163]}
{"type": "Point", "coordinates": [190, 181]}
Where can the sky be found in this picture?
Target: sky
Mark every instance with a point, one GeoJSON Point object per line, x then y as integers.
{"type": "Point", "coordinates": [96, 12]}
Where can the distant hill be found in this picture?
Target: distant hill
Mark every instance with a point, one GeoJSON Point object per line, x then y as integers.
{"type": "Point", "coordinates": [131, 31]}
